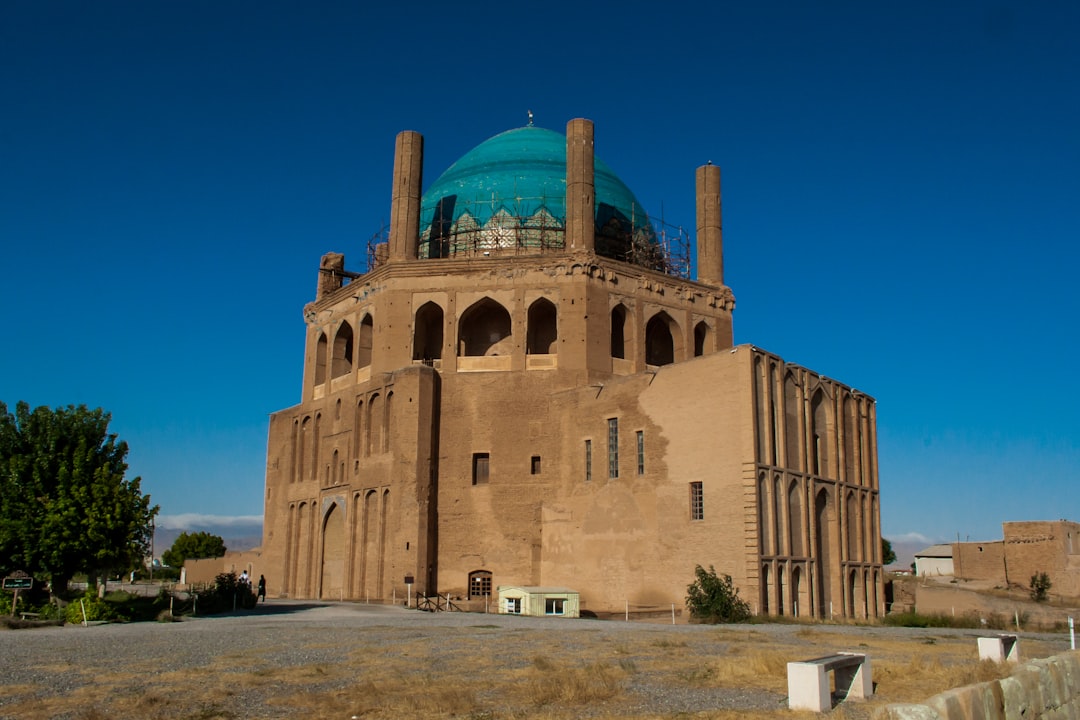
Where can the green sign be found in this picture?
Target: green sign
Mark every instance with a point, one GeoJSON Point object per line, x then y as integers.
{"type": "Point", "coordinates": [18, 583]}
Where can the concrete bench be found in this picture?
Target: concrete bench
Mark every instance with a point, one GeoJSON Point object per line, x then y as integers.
{"type": "Point", "coordinates": [29, 615]}
{"type": "Point", "coordinates": [808, 681]}
{"type": "Point", "coordinates": [1000, 648]}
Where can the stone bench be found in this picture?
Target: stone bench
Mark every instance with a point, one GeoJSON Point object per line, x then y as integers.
{"type": "Point", "coordinates": [30, 615]}
{"type": "Point", "coordinates": [808, 681]}
{"type": "Point", "coordinates": [999, 648]}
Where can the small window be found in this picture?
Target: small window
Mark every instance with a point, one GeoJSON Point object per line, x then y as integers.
{"type": "Point", "coordinates": [480, 464]}
{"type": "Point", "coordinates": [640, 452]}
{"type": "Point", "coordinates": [613, 447]}
{"type": "Point", "coordinates": [697, 507]}
{"type": "Point", "coordinates": [513, 606]}
{"type": "Point", "coordinates": [535, 467]}
{"type": "Point", "coordinates": [555, 606]}
{"type": "Point", "coordinates": [588, 460]}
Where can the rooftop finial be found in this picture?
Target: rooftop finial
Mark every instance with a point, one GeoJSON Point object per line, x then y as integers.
{"type": "Point", "coordinates": [530, 117]}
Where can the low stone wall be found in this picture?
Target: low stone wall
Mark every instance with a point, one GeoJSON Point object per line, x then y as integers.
{"type": "Point", "coordinates": [1047, 689]}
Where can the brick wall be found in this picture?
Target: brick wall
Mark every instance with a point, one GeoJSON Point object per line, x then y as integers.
{"type": "Point", "coordinates": [1041, 689]}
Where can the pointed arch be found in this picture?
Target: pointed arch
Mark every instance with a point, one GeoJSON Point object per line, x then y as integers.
{"type": "Point", "coordinates": [358, 430]}
{"type": "Point", "coordinates": [765, 589]}
{"type": "Point", "coordinates": [795, 517]}
{"type": "Point", "coordinates": [375, 424]}
{"type": "Point", "coordinates": [365, 341]}
{"type": "Point", "coordinates": [763, 515]}
{"type": "Point", "coordinates": [618, 332]}
{"type": "Point", "coordinates": [387, 414]}
{"type": "Point", "coordinates": [316, 439]}
{"type": "Point", "coordinates": [778, 517]}
{"type": "Point", "coordinates": [781, 600]}
{"type": "Point", "coordinates": [774, 415]}
{"type": "Point", "coordinates": [342, 360]}
{"type": "Point", "coordinates": [333, 554]}
{"type": "Point", "coordinates": [823, 551]}
{"type": "Point", "coordinates": [661, 339]}
{"type": "Point", "coordinates": [543, 331]}
{"type": "Point", "coordinates": [428, 332]}
{"type": "Point", "coordinates": [820, 435]}
{"type": "Point", "coordinates": [850, 425]}
{"type": "Point", "coordinates": [484, 329]}
{"type": "Point", "coordinates": [320, 359]}
{"type": "Point", "coordinates": [792, 412]}
{"type": "Point", "coordinates": [301, 551]}
{"type": "Point", "coordinates": [796, 590]}
{"type": "Point", "coordinates": [304, 445]}
{"type": "Point", "coordinates": [702, 338]}
{"type": "Point", "coordinates": [851, 524]}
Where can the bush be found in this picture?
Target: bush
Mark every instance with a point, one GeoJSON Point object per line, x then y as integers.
{"type": "Point", "coordinates": [226, 594]}
{"type": "Point", "coordinates": [1040, 585]}
{"type": "Point", "coordinates": [713, 599]}
{"type": "Point", "coordinates": [96, 609]}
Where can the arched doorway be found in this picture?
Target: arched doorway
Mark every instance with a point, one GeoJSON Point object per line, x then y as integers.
{"type": "Point", "coordinates": [333, 554]}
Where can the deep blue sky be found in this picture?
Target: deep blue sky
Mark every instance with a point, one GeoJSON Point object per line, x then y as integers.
{"type": "Point", "coordinates": [901, 206]}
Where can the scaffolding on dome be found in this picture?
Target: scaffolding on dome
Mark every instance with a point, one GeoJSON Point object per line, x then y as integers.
{"type": "Point", "coordinates": [642, 241]}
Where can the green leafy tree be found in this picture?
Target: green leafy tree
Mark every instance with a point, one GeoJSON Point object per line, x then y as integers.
{"type": "Point", "coordinates": [192, 546]}
{"type": "Point", "coordinates": [1040, 586]}
{"type": "Point", "coordinates": [714, 599]}
{"type": "Point", "coordinates": [65, 505]}
{"type": "Point", "coordinates": [888, 555]}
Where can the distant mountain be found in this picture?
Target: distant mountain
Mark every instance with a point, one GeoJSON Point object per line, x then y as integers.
{"type": "Point", "coordinates": [239, 534]}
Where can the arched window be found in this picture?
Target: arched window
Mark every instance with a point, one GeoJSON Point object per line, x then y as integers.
{"type": "Point", "coordinates": [778, 515]}
{"type": "Point", "coordinates": [792, 412]}
{"type": "Point", "coordinates": [852, 524]}
{"type": "Point", "coordinates": [763, 515]}
{"type": "Point", "coordinates": [484, 329]}
{"type": "Point", "coordinates": [315, 446]}
{"type": "Point", "coordinates": [823, 550]}
{"type": "Point", "coordinates": [820, 435]}
{"type": "Point", "coordinates": [618, 332]}
{"type": "Point", "coordinates": [428, 333]}
{"type": "Point", "coordinates": [543, 332]}
{"type": "Point", "coordinates": [341, 364]}
{"type": "Point", "coordinates": [320, 359]}
{"type": "Point", "coordinates": [375, 424]}
{"type": "Point", "coordinates": [304, 445]}
{"type": "Point", "coordinates": [702, 335]}
{"type": "Point", "coordinates": [851, 423]}
{"type": "Point", "coordinates": [659, 340]}
{"type": "Point", "coordinates": [387, 414]}
{"type": "Point", "coordinates": [363, 355]}
{"type": "Point", "coordinates": [358, 429]}
{"type": "Point", "coordinates": [479, 584]}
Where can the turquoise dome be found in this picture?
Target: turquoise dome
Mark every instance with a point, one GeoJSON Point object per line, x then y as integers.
{"type": "Point", "coordinates": [510, 192]}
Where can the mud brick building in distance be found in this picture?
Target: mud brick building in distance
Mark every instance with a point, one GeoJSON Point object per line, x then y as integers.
{"type": "Point", "coordinates": [526, 387]}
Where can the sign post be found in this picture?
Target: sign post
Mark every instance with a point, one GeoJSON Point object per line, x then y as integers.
{"type": "Point", "coordinates": [408, 584]}
{"type": "Point", "coordinates": [17, 581]}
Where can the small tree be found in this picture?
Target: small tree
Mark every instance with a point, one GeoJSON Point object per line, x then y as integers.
{"type": "Point", "coordinates": [193, 546]}
{"type": "Point", "coordinates": [888, 555]}
{"type": "Point", "coordinates": [715, 599]}
{"type": "Point", "coordinates": [1040, 585]}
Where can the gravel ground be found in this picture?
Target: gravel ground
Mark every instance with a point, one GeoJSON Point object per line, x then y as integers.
{"type": "Point", "coordinates": [54, 662]}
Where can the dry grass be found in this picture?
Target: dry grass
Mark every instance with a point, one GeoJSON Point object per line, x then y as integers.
{"type": "Point", "coordinates": [484, 673]}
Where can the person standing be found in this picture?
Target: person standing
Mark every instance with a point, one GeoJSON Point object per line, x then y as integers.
{"type": "Point", "coordinates": [262, 589]}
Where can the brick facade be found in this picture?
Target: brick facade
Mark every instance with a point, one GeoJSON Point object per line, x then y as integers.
{"type": "Point", "coordinates": [541, 414]}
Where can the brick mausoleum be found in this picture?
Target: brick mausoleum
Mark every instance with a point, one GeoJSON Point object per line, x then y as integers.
{"type": "Point", "coordinates": [527, 387]}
